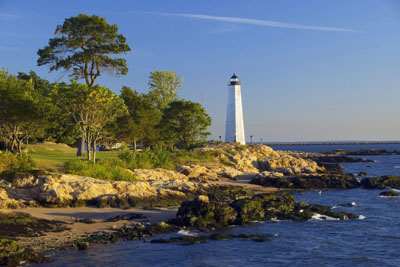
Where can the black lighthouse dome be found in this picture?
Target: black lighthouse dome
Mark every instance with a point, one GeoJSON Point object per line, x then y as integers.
{"type": "Point", "coordinates": [234, 80]}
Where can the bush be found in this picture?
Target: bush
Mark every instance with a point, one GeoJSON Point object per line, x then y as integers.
{"type": "Point", "coordinates": [10, 162]}
{"type": "Point", "coordinates": [105, 170]}
{"type": "Point", "coordinates": [147, 159]}
{"type": "Point", "coordinates": [187, 157]}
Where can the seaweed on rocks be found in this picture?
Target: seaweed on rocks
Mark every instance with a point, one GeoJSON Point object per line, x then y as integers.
{"type": "Point", "coordinates": [128, 217]}
{"type": "Point", "coordinates": [190, 240]}
{"type": "Point", "coordinates": [390, 193]}
{"type": "Point", "coordinates": [208, 215]}
{"type": "Point", "coordinates": [227, 193]}
{"type": "Point", "coordinates": [204, 215]}
{"type": "Point", "coordinates": [381, 182]}
{"type": "Point", "coordinates": [12, 254]}
{"type": "Point", "coordinates": [15, 224]}
{"type": "Point", "coordinates": [364, 152]}
{"type": "Point", "coordinates": [338, 159]}
{"type": "Point", "coordinates": [18, 224]}
{"type": "Point", "coordinates": [324, 181]}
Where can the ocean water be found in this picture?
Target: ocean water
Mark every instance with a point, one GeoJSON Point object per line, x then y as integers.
{"type": "Point", "coordinates": [372, 240]}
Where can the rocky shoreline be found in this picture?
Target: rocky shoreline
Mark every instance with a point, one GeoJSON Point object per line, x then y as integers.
{"type": "Point", "coordinates": [208, 197]}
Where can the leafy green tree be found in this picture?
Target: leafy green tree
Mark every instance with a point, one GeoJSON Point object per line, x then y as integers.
{"type": "Point", "coordinates": [59, 128]}
{"type": "Point", "coordinates": [164, 86]}
{"type": "Point", "coordinates": [22, 111]}
{"type": "Point", "coordinates": [88, 46]}
{"type": "Point", "coordinates": [94, 110]}
{"type": "Point", "coordinates": [144, 116]}
{"type": "Point", "coordinates": [184, 122]}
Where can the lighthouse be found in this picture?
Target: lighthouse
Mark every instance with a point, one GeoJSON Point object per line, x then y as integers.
{"type": "Point", "coordinates": [234, 129]}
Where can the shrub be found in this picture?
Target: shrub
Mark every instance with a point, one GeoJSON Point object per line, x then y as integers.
{"type": "Point", "coordinates": [147, 159]}
{"type": "Point", "coordinates": [187, 157]}
{"type": "Point", "coordinates": [104, 170]}
{"type": "Point", "coordinates": [10, 162]}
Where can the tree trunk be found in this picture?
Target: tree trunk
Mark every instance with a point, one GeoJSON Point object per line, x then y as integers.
{"type": "Point", "coordinates": [134, 144]}
{"type": "Point", "coordinates": [81, 147]}
{"type": "Point", "coordinates": [19, 150]}
{"type": "Point", "coordinates": [89, 144]}
{"type": "Point", "coordinates": [94, 150]}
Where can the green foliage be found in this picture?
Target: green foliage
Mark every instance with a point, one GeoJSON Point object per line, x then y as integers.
{"type": "Point", "coordinates": [184, 122]}
{"type": "Point", "coordinates": [162, 158]}
{"type": "Point", "coordinates": [147, 159]}
{"type": "Point", "coordinates": [104, 169]}
{"type": "Point", "coordinates": [94, 111]}
{"type": "Point", "coordinates": [164, 86]}
{"type": "Point", "coordinates": [22, 111]}
{"type": "Point", "coordinates": [144, 116]}
{"type": "Point", "coordinates": [10, 162]}
{"type": "Point", "coordinates": [87, 45]}
{"type": "Point", "coordinates": [188, 157]}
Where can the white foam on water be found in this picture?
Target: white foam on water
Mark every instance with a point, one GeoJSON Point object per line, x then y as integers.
{"type": "Point", "coordinates": [187, 233]}
{"type": "Point", "coordinates": [275, 220]}
{"type": "Point", "coordinates": [362, 217]}
{"type": "Point", "coordinates": [397, 167]}
{"type": "Point", "coordinates": [320, 217]}
{"type": "Point", "coordinates": [334, 207]}
{"type": "Point", "coordinates": [388, 196]}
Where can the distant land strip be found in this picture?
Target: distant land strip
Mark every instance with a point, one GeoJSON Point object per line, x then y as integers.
{"type": "Point", "coordinates": [329, 143]}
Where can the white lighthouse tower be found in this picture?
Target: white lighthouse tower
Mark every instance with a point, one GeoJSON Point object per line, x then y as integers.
{"type": "Point", "coordinates": [234, 130]}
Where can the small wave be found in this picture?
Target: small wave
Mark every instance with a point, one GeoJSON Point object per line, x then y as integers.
{"type": "Point", "coordinates": [388, 196]}
{"type": "Point", "coordinates": [351, 204]}
{"type": "Point", "coordinates": [275, 220]}
{"type": "Point", "coordinates": [334, 207]}
{"type": "Point", "coordinates": [320, 217]}
{"type": "Point", "coordinates": [187, 233]}
{"type": "Point", "coordinates": [362, 217]}
{"type": "Point", "coordinates": [397, 167]}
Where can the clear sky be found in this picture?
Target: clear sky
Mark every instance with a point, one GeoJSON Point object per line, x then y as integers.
{"type": "Point", "coordinates": [310, 69]}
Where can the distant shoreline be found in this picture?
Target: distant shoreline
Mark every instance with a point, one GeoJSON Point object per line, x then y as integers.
{"type": "Point", "coordinates": [330, 143]}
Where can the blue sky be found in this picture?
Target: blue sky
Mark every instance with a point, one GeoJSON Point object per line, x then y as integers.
{"type": "Point", "coordinates": [310, 69]}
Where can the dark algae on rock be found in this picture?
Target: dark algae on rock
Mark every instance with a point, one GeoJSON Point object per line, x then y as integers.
{"type": "Point", "coordinates": [381, 182]}
{"type": "Point", "coordinates": [324, 181]}
{"type": "Point", "coordinates": [18, 224]}
{"type": "Point", "coordinates": [208, 215]}
{"type": "Point", "coordinates": [390, 193]}
{"type": "Point", "coordinates": [190, 240]}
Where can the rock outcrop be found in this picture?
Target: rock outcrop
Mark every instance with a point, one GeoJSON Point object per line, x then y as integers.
{"type": "Point", "coordinates": [381, 182]}
{"type": "Point", "coordinates": [284, 169]}
{"type": "Point", "coordinates": [208, 215]}
{"type": "Point", "coordinates": [258, 158]}
{"type": "Point", "coordinates": [64, 189]}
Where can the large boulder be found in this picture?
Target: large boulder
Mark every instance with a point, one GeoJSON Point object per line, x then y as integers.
{"type": "Point", "coordinates": [158, 174]}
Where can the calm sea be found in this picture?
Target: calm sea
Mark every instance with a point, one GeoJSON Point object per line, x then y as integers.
{"type": "Point", "coordinates": [373, 240]}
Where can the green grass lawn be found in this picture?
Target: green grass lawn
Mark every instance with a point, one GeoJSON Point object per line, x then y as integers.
{"type": "Point", "coordinates": [52, 156]}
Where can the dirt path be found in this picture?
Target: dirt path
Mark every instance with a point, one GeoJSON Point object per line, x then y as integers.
{"type": "Point", "coordinates": [243, 180]}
